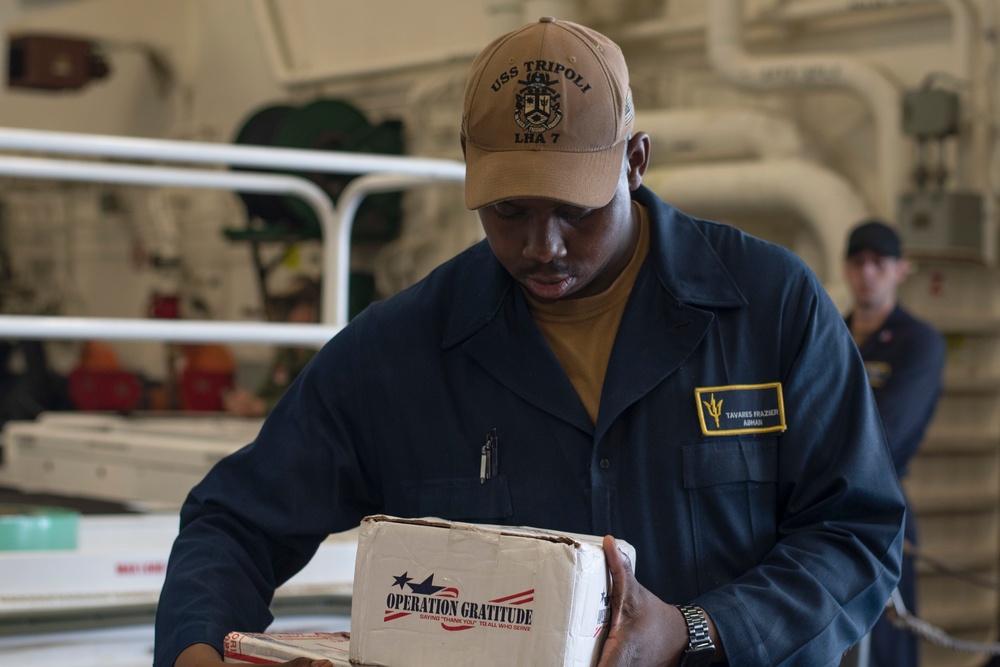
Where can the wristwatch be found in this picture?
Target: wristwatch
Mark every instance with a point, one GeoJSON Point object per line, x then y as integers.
{"type": "Point", "coordinates": [700, 648]}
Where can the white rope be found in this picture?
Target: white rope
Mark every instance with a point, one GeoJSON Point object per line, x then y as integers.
{"type": "Point", "coordinates": [900, 617]}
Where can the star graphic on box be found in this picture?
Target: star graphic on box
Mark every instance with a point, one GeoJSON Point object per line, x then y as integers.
{"type": "Point", "coordinates": [425, 587]}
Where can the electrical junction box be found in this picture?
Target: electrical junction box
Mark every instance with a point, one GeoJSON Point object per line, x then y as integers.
{"type": "Point", "coordinates": [948, 224]}
{"type": "Point", "coordinates": [51, 62]}
{"type": "Point", "coordinates": [929, 114]}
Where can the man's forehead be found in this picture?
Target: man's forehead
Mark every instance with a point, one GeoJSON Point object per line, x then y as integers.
{"type": "Point", "coordinates": [870, 254]}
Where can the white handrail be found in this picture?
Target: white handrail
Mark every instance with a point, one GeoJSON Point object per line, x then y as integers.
{"type": "Point", "coordinates": [398, 172]}
{"type": "Point", "coordinates": [175, 331]}
{"type": "Point", "coordinates": [237, 155]}
{"type": "Point", "coordinates": [338, 253]}
{"type": "Point", "coordinates": [384, 173]}
{"type": "Point", "coordinates": [132, 174]}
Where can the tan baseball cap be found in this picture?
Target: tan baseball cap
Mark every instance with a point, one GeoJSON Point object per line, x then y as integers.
{"type": "Point", "coordinates": [547, 114]}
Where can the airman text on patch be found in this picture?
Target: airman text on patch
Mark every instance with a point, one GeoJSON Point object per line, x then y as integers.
{"type": "Point", "coordinates": [738, 409]}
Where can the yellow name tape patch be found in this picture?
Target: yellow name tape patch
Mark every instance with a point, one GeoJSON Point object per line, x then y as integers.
{"type": "Point", "coordinates": [738, 409]}
{"type": "Point", "coordinates": [878, 373]}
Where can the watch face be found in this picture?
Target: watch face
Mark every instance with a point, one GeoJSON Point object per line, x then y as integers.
{"type": "Point", "coordinates": [699, 657]}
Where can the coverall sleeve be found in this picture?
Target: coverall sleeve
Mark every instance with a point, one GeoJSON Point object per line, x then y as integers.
{"type": "Point", "coordinates": [261, 513]}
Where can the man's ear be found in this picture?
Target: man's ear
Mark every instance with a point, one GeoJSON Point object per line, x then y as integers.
{"type": "Point", "coordinates": [904, 269]}
{"type": "Point", "coordinates": [638, 158]}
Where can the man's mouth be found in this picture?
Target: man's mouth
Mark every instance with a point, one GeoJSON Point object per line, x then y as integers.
{"type": "Point", "coordinates": [549, 286]}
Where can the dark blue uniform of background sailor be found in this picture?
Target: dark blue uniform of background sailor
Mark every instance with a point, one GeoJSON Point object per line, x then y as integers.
{"type": "Point", "coordinates": [904, 360]}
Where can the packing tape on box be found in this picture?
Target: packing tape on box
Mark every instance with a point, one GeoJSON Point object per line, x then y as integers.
{"type": "Point", "coordinates": [37, 527]}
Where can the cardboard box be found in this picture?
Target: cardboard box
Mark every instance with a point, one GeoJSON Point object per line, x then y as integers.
{"type": "Point", "coordinates": [115, 458]}
{"type": "Point", "coordinates": [429, 591]}
{"type": "Point", "coordinates": [267, 649]}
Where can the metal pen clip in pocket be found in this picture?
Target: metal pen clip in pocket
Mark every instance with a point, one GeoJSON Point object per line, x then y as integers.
{"type": "Point", "coordinates": [488, 457]}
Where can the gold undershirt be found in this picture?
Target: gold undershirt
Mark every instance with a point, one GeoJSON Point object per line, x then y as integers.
{"type": "Point", "coordinates": [581, 332]}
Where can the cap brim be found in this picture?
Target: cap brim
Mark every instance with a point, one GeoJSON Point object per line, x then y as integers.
{"type": "Point", "coordinates": [587, 179]}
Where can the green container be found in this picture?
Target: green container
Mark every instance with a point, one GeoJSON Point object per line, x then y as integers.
{"type": "Point", "coordinates": [36, 527]}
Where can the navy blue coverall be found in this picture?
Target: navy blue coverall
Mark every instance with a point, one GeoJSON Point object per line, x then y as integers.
{"type": "Point", "coordinates": [904, 360]}
{"type": "Point", "coordinates": [733, 447]}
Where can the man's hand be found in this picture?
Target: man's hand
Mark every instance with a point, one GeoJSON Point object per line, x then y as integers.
{"type": "Point", "coordinates": [203, 655]}
{"type": "Point", "coordinates": [644, 629]}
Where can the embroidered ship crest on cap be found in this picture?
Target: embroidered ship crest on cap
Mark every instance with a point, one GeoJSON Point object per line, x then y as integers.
{"type": "Point", "coordinates": [537, 103]}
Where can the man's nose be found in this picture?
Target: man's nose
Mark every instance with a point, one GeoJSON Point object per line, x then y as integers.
{"type": "Point", "coordinates": [870, 268]}
{"type": "Point", "coordinates": [544, 242]}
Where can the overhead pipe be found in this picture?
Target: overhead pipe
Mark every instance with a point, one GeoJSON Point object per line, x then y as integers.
{"type": "Point", "coordinates": [718, 133]}
{"type": "Point", "coordinates": [728, 57]}
{"type": "Point", "coordinates": [804, 10]}
{"type": "Point", "coordinates": [781, 179]}
{"type": "Point", "coordinates": [817, 9]}
{"type": "Point", "coordinates": [962, 21]}
{"type": "Point", "coordinates": [826, 201]}
{"type": "Point", "coordinates": [963, 27]}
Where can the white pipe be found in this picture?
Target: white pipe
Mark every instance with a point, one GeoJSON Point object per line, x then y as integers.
{"type": "Point", "coordinates": [817, 9]}
{"type": "Point", "coordinates": [655, 28]}
{"type": "Point", "coordinates": [802, 10]}
{"type": "Point", "coordinates": [238, 155]}
{"type": "Point", "coordinates": [814, 71]}
{"type": "Point", "coordinates": [177, 331]}
{"type": "Point", "coordinates": [961, 17]}
{"type": "Point", "coordinates": [825, 200]}
{"type": "Point", "coordinates": [719, 133]}
{"type": "Point", "coordinates": [962, 47]}
{"type": "Point", "coordinates": [962, 27]}
{"type": "Point", "coordinates": [975, 107]}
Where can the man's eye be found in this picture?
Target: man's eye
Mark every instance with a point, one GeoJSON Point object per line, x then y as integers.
{"type": "Point", "coordinates": [507, 211]}
{"type": "Point", "coordinates": [575, 215]}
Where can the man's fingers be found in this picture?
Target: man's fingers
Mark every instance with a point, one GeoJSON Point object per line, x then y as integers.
{"type": "Point", "coordinates": [618, 560]}
{"type": "Point", "coordinates": [626, 561]}
{"type": "Point", "coordinates": [308, 662]}
{"type": "Point", "coordinates": [621, 573]}
{"type": "Point", "coordinates": [611, 553]}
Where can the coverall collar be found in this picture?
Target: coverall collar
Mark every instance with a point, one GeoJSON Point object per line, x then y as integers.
{"type": "Point", "coordinates": [685, 264]}
{"type": "Point", "coordinates": [686, 281]}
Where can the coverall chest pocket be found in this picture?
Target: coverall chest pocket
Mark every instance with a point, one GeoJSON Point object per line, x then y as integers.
{"type": "Point", "coordinates": [461, 498]}
{"type": "Point", "coordinates": [731, 490]}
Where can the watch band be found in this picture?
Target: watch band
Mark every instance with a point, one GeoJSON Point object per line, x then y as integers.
{"type": "Point", "coordinates": [700, 649]}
